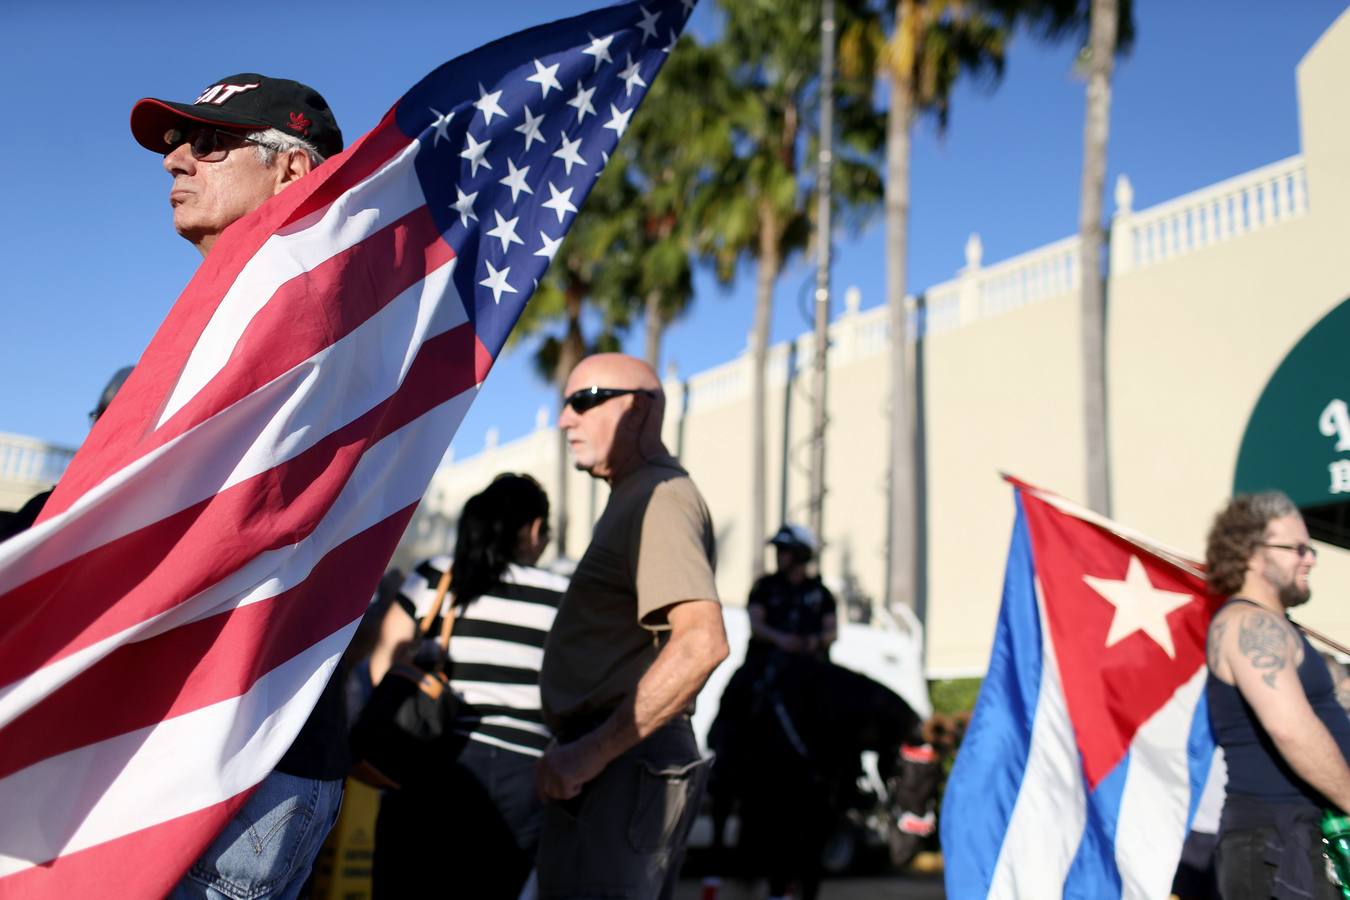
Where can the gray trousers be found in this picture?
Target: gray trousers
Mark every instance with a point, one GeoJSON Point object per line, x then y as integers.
{"type": "Point", "coordinates": [623, 837]}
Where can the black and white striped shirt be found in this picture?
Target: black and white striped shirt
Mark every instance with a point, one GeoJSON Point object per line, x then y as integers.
{"type": "Point", "coordinates": [495, 650]}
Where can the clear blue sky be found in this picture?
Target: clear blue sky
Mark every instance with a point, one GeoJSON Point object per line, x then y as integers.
{"type": "Point", "coordinates": [91, 264]}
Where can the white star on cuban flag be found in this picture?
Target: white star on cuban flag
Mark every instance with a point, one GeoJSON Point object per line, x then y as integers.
{"type": "Point", "coordinates": [1139, 606]}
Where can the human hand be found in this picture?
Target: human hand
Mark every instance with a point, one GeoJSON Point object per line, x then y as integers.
{"type": "Point", "coordinates": [564, 769]}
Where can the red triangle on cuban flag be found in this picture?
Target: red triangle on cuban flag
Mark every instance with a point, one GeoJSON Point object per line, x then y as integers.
{"type": "Point", "coordinates": [1127, 619]}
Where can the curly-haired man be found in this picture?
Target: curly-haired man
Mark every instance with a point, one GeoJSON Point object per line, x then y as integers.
{"type": "Point", "coordinates": [1272, 705]}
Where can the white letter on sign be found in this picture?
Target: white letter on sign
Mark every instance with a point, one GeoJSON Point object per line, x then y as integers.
{"type": "Point", "coordinates": [1335, 422]}
{"type": "Point", "coordinates": [1340, 476]}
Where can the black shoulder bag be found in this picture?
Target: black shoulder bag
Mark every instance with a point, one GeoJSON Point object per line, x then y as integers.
{"type": "Point", "coordinates": [405, 732]}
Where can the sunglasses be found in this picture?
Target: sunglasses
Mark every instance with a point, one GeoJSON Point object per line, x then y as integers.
{"type": "Point", "coordinates": [206, 144]}
{"type": "Point", "coordinates": [591, 397]}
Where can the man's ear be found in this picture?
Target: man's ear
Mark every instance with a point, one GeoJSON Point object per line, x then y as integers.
{"type": "Point", "coordinates": [292, 165]}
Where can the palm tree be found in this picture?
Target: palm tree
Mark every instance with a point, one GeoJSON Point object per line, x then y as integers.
{"type": "Point", "coordinates": [758, 206]}
{"type": "Point", "coordinates": [677, 141]}
{"type": "Point", "coordinates": [932, 43]}
{"type": "Point", "coordinates": [1108, 26]}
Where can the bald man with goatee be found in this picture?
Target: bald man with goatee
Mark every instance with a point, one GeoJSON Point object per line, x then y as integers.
{"type": "Point", "coordinates": [637, 634]}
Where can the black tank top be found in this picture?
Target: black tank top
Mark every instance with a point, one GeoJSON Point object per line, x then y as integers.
{"type": "Point", "coordinates": [1255, 767]}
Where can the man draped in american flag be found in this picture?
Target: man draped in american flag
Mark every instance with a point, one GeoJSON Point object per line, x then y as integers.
{"type": "Point", "coordinates": [173, 618]}
{"type": "Point", "coordinates": [245, 139]}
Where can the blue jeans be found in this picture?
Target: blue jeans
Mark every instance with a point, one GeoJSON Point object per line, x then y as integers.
{"type": "Point", "coordinates": [267, 849]}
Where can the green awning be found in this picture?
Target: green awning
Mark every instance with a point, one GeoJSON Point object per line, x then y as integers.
{"type": "Point", "coordinates": [1298, 437]}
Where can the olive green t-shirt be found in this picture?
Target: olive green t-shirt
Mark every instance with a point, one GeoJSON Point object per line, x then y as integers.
{"type": "Point", "coordinates": [652, 548]}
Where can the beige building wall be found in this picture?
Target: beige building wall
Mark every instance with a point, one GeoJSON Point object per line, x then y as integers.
{"type": "Point", "coordinates": [28, 466]}
{"type": "Point", "coordinates": [1207, 294]}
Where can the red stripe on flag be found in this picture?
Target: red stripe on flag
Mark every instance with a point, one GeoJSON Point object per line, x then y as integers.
{"type": "Point", "coordinates": [153, 859]}
{"type": "Point", "coordinates": [316, 309]}
{"type": "Point", "coordinates": [203, 662]}
{"type": "Point", "coordinates": [142, 574]}
{"type": "Point", "coordinates": [116, 438]}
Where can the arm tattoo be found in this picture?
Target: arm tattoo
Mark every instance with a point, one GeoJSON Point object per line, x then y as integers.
{"type": "Point", "coordinates": [1265, 643]}
{"type": "Point", "coordinates": [1214, 643]}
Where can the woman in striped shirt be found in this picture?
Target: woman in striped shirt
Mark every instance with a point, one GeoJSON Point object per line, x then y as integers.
{"type": "Point", "coordinates": [474, 834]}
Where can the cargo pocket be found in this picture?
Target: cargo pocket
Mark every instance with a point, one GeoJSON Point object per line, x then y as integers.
{"type": "Point", "coordinates": [664, 795]}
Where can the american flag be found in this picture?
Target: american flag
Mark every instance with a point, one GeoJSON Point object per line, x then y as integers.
{"type": "Point", "coordinates": [169, 623]}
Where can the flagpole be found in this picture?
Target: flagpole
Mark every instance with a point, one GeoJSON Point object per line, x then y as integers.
{"type": "Point", "coordinates": [824, 167]}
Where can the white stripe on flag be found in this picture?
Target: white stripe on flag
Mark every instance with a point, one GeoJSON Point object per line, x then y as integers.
{"type": "Point", "coordinates": [1155, 801]}
{"type": "Point", "coordinates": [149, 776]}
{"type": "Point", "coordinates": [266, 428]}
{"type": "Point", "coordinates": [391, 475]}
{"type": "Point", "coordinates": [1047, 822]}
{"type": "Point", "coordinates": [386, 196]}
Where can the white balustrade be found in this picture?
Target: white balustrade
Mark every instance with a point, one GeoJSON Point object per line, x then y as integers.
{"type": "Point", "coordinates": [1252, 201]}
{"type": "Point", "coordinates": [1048, 271]}
{"type": "Point", "coordinates": [941, 311]}
{"type": "Point", "coordinates": [28, 460]}
{"type": "Point", "coordinates": [720, 384]}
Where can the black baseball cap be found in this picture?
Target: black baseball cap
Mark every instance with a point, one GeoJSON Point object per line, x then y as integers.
{"type": "Point", "coordinates": [247, 102]}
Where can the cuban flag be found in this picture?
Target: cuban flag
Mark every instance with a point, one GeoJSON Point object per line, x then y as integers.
{"type": "Point", "coordinates": [1090, 743]}
{"type": "Point", "coordinates": [169, 623]}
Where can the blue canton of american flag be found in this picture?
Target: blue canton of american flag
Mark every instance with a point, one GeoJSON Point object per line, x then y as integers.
{"type": "Point", "coordinates": [525, 141]}
{"type": "Point", "coordinates": [217, 537]}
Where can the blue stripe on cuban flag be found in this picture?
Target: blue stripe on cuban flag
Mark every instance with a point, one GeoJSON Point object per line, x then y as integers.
{"type": "Point", "coordinates": [1018, 819]}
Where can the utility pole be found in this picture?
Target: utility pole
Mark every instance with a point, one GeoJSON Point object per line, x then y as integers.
{"type": "Point", "coordinates": [824, 167]}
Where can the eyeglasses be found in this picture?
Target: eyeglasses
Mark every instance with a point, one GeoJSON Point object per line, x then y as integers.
{"type": "Point", "coordinates": [1301, 549]}
{"type": "Point", "coordinates": [591, 397]}
{"type": "Point", "coordinates": [206, 144]}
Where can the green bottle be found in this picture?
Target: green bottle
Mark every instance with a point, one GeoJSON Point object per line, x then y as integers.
{"type": "Point", "coordinates": [1336, 840]}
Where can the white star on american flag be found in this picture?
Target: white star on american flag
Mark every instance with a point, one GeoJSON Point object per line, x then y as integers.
{"type": "Point", "coordinates": [441, 124]}
{"type": "Point", "coordinates": [516, 181]}
{"type": "Point", "coordinates": [464, 206]}
{"type": "Point", "coordinates": [582, 102]}
{"type": "Point", "coordinates": [674, 39]}
{"type": "Point", "coordinates": [631, 77]}
{"type": "Point", "coordinates": [496, 282]}
{"type": "Point", "coordinates": [545, 76]}
{"type": "Point", "coordinates": [567, 152]}
{"type": "Point", "coordinates": [530, 128]}
{"type": "Point", "coordinates": [549, 246]}
{"type": "Point", "coordinates": [618, 120]}
{"type": "Point", "coordinates": [505, 231]}
{"type": "Point", "coordinates": [560, 202]}
{"type": "Point", "coordinates": [599, 49]}
{"type": "Point", "coordinates": [688, 6]}
{"type": "Point", "coordinates": [648, 24]}
{"type": "Point", "coordinates": [475, 153]}
{"type": "Point", "coordinates": [487, 104]}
